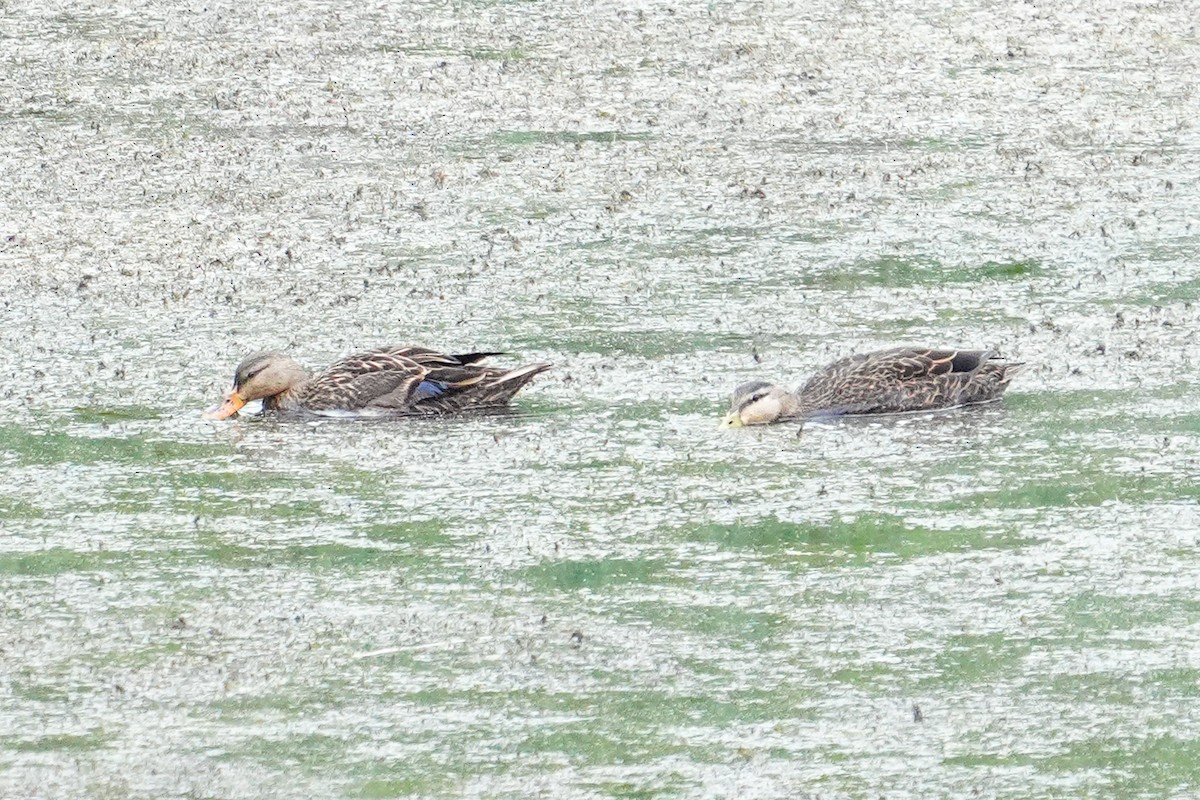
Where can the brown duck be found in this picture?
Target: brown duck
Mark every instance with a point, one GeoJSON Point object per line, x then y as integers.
{"type": "Point", "coordinates": [395, 380]}
{"type": "Point", "coordinates": [881, 382]}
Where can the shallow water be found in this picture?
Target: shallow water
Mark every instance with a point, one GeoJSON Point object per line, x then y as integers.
{"type": "Point", "coordinates": [599, 595]}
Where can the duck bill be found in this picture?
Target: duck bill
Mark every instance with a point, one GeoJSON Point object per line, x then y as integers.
{"type": "Point", "coordinates": [733, 420]}
{"type": "Point", "coordinates": [233, 402]}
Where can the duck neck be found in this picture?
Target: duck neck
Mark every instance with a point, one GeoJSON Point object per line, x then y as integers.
{"type": "Point", "coordinates": [791, 405]}
{"type": "Point", "coordinates": [794, 406]}
{"type": "Point", "coordinates": [289, 399]}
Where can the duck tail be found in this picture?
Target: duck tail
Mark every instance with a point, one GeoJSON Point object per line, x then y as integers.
{"type": "Point", "coordinates": [501, 388]}
{"type": "Point", "coordinates": [1010, 370]}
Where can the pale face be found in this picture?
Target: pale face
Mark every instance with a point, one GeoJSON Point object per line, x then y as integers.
{"type": "Point", "coordinates": [754, 403]}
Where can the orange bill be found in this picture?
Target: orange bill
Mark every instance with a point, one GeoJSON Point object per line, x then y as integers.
{"type": "Point", "coordinates": [233, 401]}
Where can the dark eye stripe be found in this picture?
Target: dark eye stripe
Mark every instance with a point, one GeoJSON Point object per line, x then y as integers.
{"type": "Point", "coordinates": [249, 376]}
{"type": "Point", "coordinates": [754, 398]}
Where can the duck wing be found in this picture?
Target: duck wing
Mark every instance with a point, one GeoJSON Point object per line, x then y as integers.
{"type": "Point", "coordinates": [375, 377]}
{"type": "Point", "coordinates": [449, 388]}
{"type": "Point", "coordinates": [906, 379]}
{"type": "Point", "coordinates": [411, 379]}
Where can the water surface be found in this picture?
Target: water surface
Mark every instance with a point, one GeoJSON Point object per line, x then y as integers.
{"type": "Point", "coordinates": [600, 595]}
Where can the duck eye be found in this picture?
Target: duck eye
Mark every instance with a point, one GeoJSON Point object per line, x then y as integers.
{"type": "Point", "coordinates": [249, 376]}
{"type": "Point", "coordinates": [754, 398]}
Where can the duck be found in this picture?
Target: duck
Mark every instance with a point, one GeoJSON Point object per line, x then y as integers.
{"type": "Point", "coordinates": [881, 382]}
{"type": "Point", "coordinates": [398, 380]}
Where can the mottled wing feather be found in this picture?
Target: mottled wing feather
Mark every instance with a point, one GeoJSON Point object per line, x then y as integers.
{"type": "Point", "coordinates": [375, 377]}
{"type": "Point", "coordinates": [390, 377]}
{"type": "Point", "coordinates": [477, 387]}
{"type": "Point", "coordinates": [429, 357]}
{"type": "Point", "coordinates": [905, 379]}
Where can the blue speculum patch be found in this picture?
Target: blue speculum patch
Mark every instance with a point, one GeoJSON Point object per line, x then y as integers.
{"type": "Point", "coordinates": [428, 389]}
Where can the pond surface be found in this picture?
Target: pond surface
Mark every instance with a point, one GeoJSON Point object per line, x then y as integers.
{"type": "Point", "coordinates": [600, 595]}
